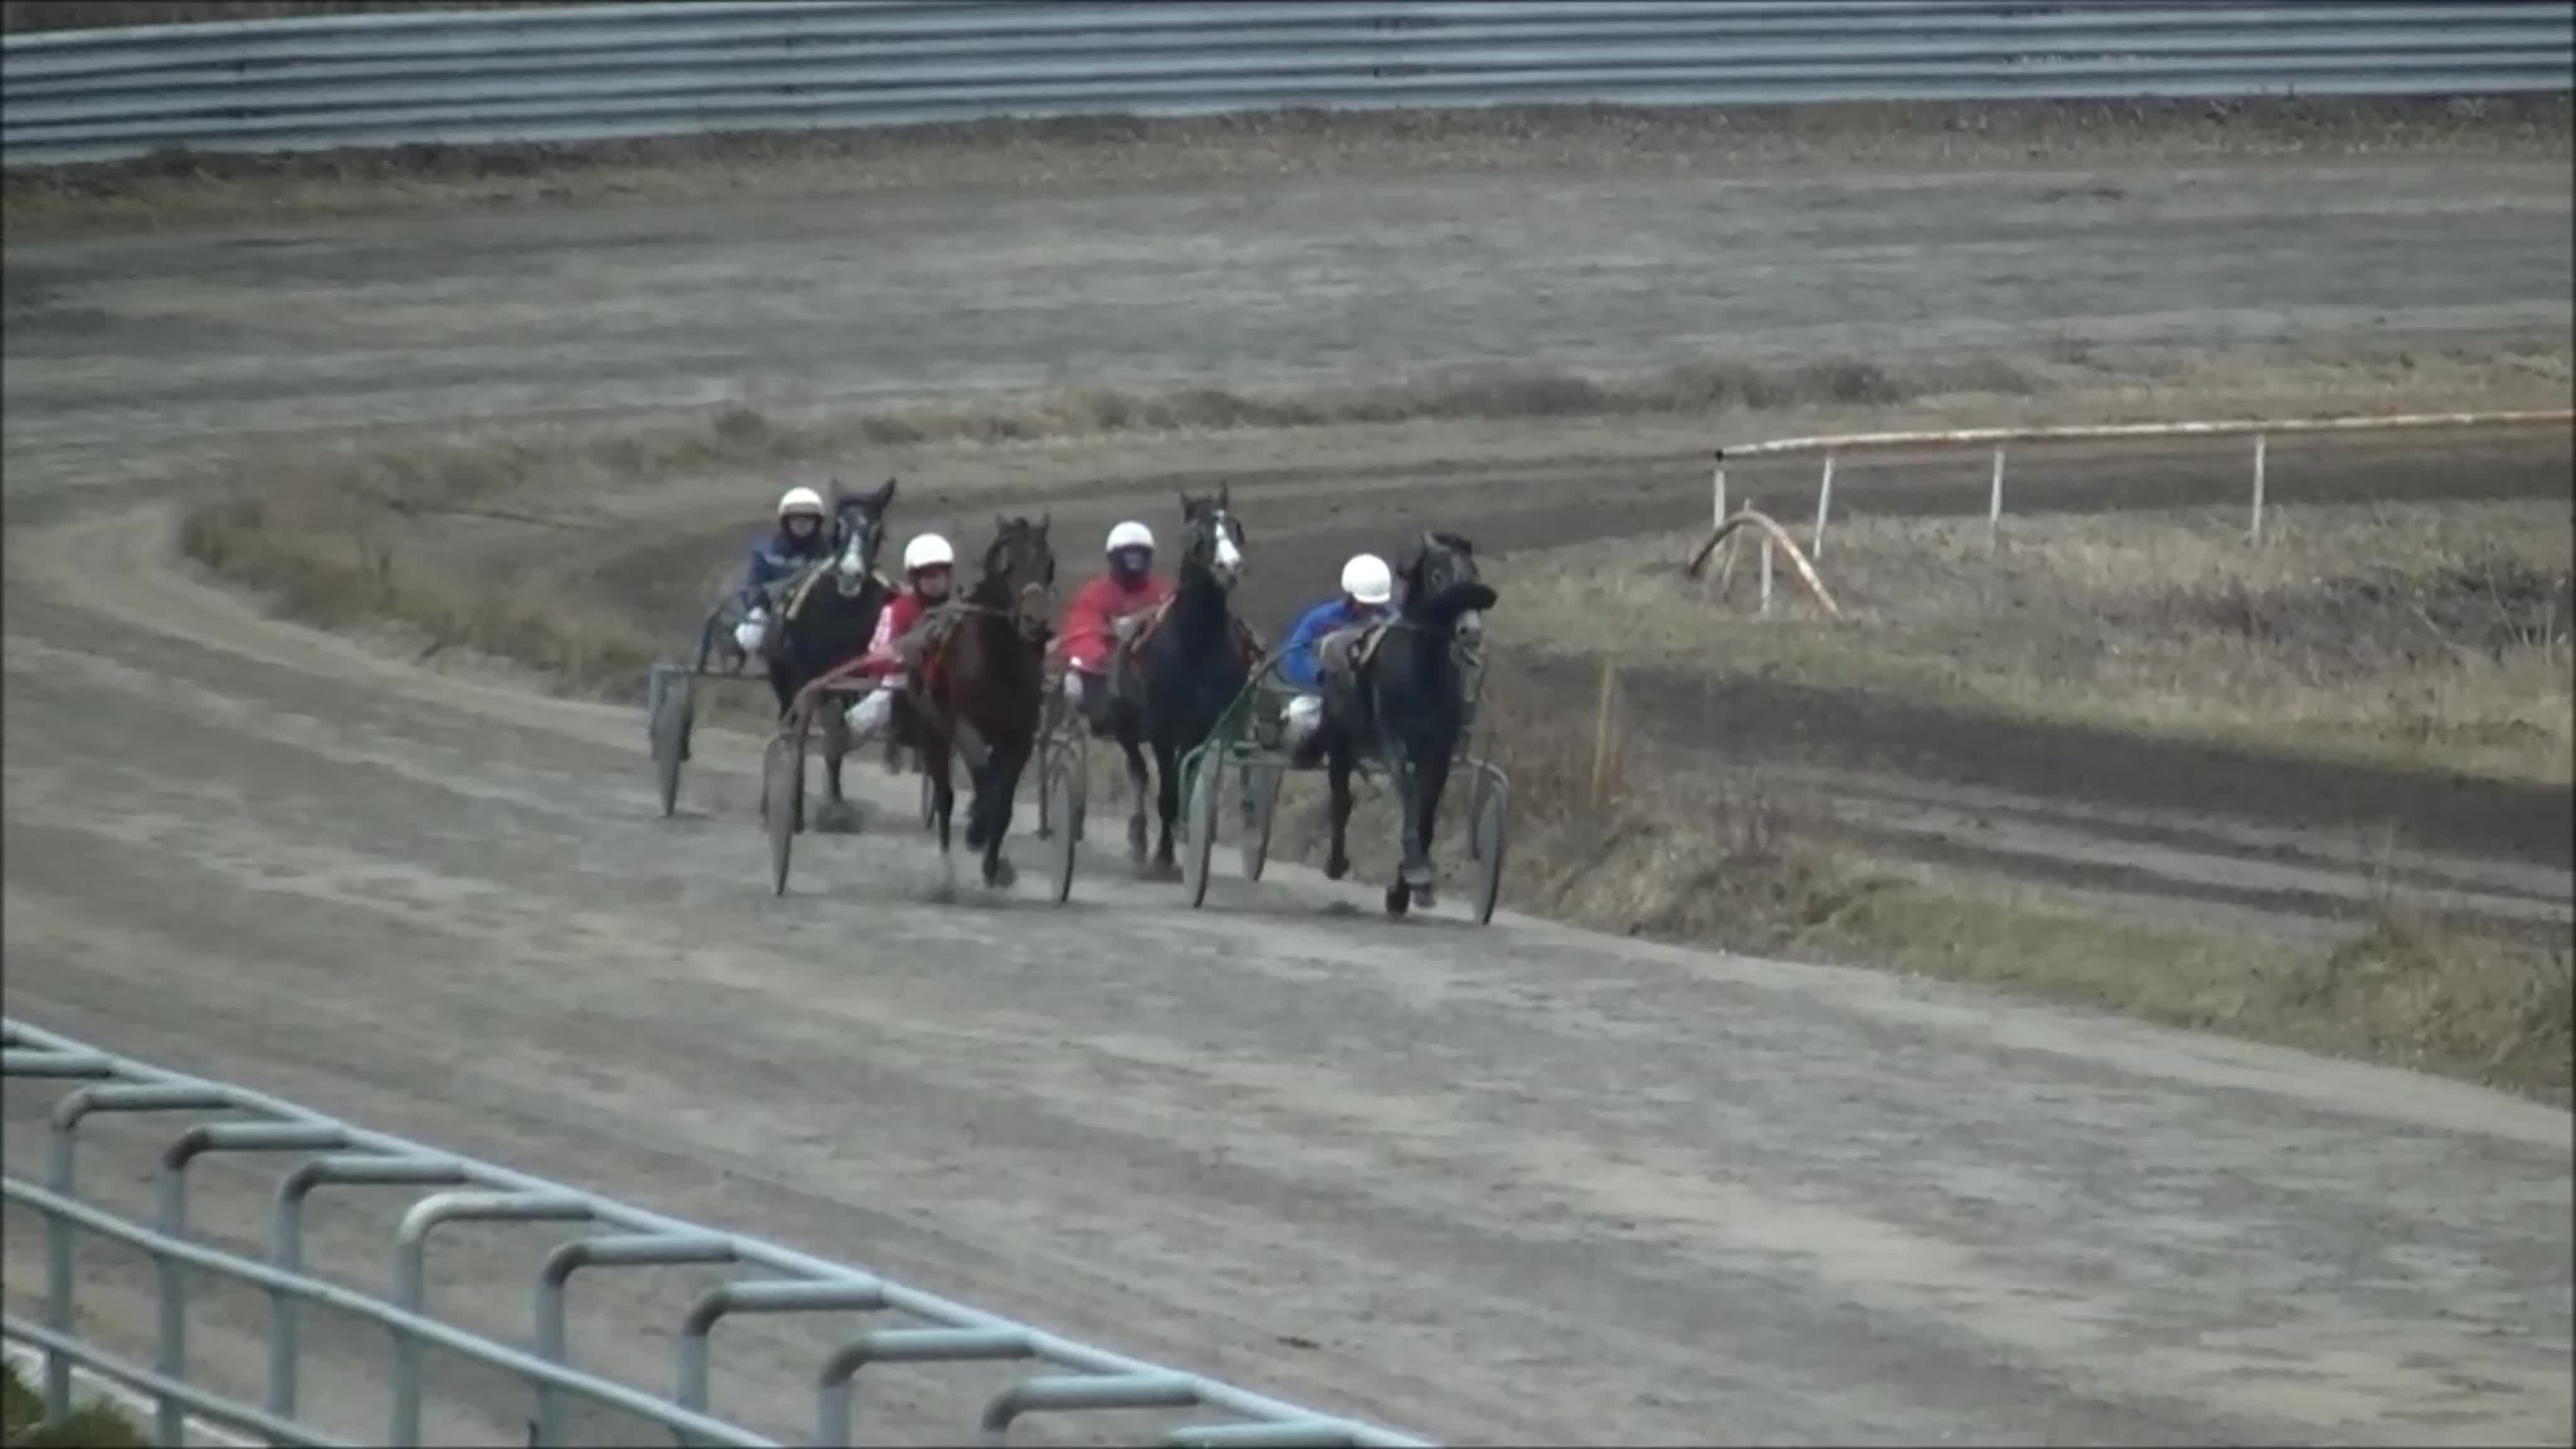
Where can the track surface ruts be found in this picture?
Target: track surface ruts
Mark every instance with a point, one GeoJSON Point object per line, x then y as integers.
{"type": "Point", "coordinates": [1520, 1184]}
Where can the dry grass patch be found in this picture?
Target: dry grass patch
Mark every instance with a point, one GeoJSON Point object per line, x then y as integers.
{"type": "Point", "coordinates": [93, 1425]}
{"type": "Point", "coordinates": [1607, 838]}
{"type": "Point", "coordinates": [1257, 148]}
{"type": "Point", "coordinates": [2431, 635]}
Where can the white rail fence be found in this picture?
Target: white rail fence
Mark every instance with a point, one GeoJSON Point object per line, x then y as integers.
{"type": "Point", "coordinates": [1724, 525]}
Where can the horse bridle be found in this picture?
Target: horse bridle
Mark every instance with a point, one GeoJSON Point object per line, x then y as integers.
{"type": "Point", "coordinates": [1032, 610]}
{"type": "Point", "coordinates": [1213, 520]}
{"type": "Point", "coordinates": [860, 527]}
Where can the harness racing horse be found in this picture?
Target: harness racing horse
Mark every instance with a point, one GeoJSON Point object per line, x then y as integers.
{"type": "Point", "coordinates": [1185, 669]}
{"type": "Point", "coordinates": [1395, 693]}
{"type": "Point", "coordinates": [981, 687]}
{"type": "Point", "coordinates": [826, 617]}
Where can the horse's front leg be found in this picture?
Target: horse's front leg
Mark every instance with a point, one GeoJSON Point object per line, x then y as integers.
{"type": "Point", "coordinates": [1412, 871]}
{"type": "Point", "coordinates": [1167, 802]}
{"type": "Point", "coordinates": [838, 814]}
{"type": "Point", "coordinates": [943, 794]}
{"type": "Point", "coordinates": [1337, 860]}
{"type": "Point", "coordinates": [994, 796]}
{"type": "Point", "coordinates": [1135, 797]}
{"type": "Point", "coordinates": [1430, 780]}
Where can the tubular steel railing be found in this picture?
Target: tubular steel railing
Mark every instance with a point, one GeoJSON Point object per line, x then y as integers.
{"type": "Point", "coordinates": [1088, 1378]}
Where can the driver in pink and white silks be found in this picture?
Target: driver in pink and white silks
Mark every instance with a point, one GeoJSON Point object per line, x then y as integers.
{"type": "Point", "coordinates": [928, 563]}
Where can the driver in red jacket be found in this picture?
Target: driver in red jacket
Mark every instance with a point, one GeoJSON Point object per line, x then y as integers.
{"type": "Point", "coordinates": [1101, 614]}
{"type": "Point", "coordinates": [927, 563]}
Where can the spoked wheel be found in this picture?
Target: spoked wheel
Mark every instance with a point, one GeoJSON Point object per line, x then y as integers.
{"type": "Point", "coordinates": [674, 704]}
{"type": "Point", "coordinates": [1261, 781]}
{"type": "Point", "coordinates": [1062, 798]}
{"type": "Point", "coordinates": [782, 790]}
{"type": "Point", "coordinates": [1206, 784]}
{"type": "Point", "coordinates": [1062, 749]}
{"type": "Point", "coordinates": [1486, 838]}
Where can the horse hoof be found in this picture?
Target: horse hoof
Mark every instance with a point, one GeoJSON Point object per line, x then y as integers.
{"type": "Point", "coordinates": [1000, 875]}
{"type": "Point", "coordinates": [838, 817]}
{"type": "Point", "coordinates": [1399, 896]}
{"type": "Point", "coordinates": [1337, 867]}
{"type": "Point", "coordinates": [1163, 870]}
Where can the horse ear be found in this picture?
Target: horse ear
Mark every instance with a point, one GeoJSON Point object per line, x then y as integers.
{"type": "Point", "coordinates": [885, 493]}
{"type": "Point", "coordinates": [1043, 520]}
{"type": "Point", "coordinates": [1225, 495]}
{"type": "Point", "coordinates": [1189, 505]}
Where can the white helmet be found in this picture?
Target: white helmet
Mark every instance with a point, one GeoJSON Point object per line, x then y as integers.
{"type": "Point", "coordinates": [1366, 579]}
{"type": "Point", "coordinates": [800, 500]}
{"type": "Point", "coordinates": [927, 551]}
{"type": "Point", "coordinates": [1130, 534]}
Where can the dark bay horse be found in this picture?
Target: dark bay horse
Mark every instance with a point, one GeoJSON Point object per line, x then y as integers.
{"type": "Point", "coordinates": [1184, 672]}
{"type": "Point", "coordinates": [825, 619]}
{"type": "Point", "coordinates": [981, 687]}
{"type": "Point", "coordinates": [1401, 701]}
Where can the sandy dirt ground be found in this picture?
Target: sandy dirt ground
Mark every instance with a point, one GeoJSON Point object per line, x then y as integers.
{"type": "Point", "coordinates": [1521, 1184]}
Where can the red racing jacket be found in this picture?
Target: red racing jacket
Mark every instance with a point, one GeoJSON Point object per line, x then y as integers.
{"type": "Point", "coordinates": [1090, 621]}
{"type": "Point", "coordinates": [894, 621]}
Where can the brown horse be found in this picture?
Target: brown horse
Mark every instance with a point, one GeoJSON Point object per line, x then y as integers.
{"type": "Point", "coordinates": [980, 688]}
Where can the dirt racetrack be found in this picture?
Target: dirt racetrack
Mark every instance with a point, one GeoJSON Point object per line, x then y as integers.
{"type": "Point", "coordinates": [1524, 1184]}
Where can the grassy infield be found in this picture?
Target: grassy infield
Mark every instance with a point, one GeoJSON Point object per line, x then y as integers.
{"type": "Point", "coordinates": [90, 1426]}
{"type": "Point", "coordinates": [2445, 641]}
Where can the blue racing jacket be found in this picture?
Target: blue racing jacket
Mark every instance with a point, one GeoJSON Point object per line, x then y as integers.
{"type": "Point", "coordinates": [1297, 662]}
{"type": "Point", "coordinates": [773, 557]}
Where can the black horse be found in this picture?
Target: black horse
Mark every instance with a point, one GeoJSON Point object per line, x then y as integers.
{"type": "Point", "coordinates": [826, 618]}
{"type": "Point", "coordinates": [1401, 700]}
{"type": "Point", "coordinates": [981, 687]}
{"type": "Point", "coordinates": [1183, 674]}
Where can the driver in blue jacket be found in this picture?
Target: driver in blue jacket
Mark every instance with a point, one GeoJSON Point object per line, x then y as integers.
{"type": "Point", "coordinates": [798, 540]}
{"type": "Point", "coordinates": [1368, 588]}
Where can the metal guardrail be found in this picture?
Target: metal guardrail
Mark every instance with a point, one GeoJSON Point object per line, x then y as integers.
{"type": "Point", "coordinates": [608, 72]}
{"type": "Point", "coordinates": [338, 1153]}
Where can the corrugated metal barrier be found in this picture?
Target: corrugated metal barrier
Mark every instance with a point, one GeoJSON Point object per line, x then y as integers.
{"type": "Point", "coordinates": [592, 73]}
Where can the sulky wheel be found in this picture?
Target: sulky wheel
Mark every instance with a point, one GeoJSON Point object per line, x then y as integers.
{"type": "Point", "coordinates": [1062, 797]}
{"type": "Point", "coordinates": [674, 705]}
{"type": "Point", "coordinates": [782, 791]}
{"type": "Point", "coordinates": [1486, 839]}
{"type": "Point", "coordinates": [1206, 783]}
{"type": "Point", "coordinates": [1261, 781]}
